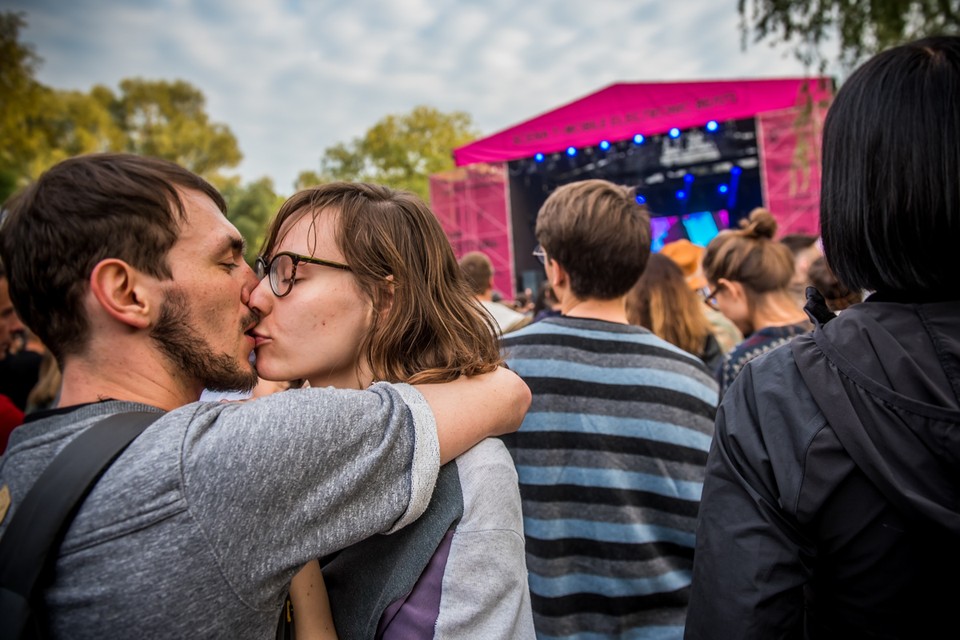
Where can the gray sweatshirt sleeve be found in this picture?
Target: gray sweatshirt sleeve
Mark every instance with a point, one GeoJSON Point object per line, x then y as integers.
{"type": "Point", "coordinates": [277, 481]}
{"type": "Point", "coordinates": [485, 592]}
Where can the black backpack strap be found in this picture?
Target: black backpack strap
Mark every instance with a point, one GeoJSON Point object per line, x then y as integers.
{"type": "Point", "coordinates": [29, 546]}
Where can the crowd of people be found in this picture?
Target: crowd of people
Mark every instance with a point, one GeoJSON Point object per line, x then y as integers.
{"type": "Point", "coordinates": [751, 439]}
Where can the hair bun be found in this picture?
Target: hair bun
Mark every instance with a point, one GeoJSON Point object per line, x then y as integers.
{"type": "Point", "coordinates": [761, 224]}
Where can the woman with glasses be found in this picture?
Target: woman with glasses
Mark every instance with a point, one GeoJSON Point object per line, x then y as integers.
{"type": "Point", "coordinates": [361, 286]}
{"type": "Point", "coordinates": [749, 276]}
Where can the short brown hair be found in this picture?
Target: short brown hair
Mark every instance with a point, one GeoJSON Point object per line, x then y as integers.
{"type": "Point", "coordinates": [82, 211]}
{"type": "Point", "coordinates": [435, 330]}
{"type": "Point", "coordinates": [599, 234]}
{"type": "Point", "coordinates": [750, 255]}
{"type": "Point", "coordinates": [477, 271]}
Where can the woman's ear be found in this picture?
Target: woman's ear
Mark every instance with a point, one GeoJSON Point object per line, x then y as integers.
{"type": "Point", "coordinates": [122, 292]}
{"type": "Point", "coordinates": [387, 293]}
{"type": "Point", "coordinates": [734, 289]}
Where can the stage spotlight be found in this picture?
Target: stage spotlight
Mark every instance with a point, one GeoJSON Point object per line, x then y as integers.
{"type": "Point", "coordinates": [736, 171]}
{"type": "Point", "coordinates": [723, 188]}
{"type": "Point", "coordinates": [681, 194]}
{"type": "Point", "coordinates": [538, 157]}
{"type": "Point", "coordinates": [712, 125]}
{"type": "Point", "coordinates": [604, 145]}
{"type": "Point", "coordinates": [571, 151]}
{"type": "Point", "coordinates": [674, 133]}
{"type": "Point", "coordinates": [688, 178]}
{"type": "Point", "coordinates": [640, 199]}
{"type": "Point", "coordinates": [638, 139]}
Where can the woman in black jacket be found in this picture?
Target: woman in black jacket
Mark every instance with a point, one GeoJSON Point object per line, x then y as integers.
{"type": "Point", "coordinates": [831, 507]}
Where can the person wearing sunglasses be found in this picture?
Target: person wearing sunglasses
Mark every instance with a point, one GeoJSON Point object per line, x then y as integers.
{"type": "Point", "coordinates": [360, 285]}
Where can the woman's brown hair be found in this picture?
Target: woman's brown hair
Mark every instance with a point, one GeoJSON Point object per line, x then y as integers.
{"type": "Point", "coordinates": [750, 256]}
{"type": "Point", "coordinates": [662, 302]}
{"type": "Point", "coordinates": [434, 330]}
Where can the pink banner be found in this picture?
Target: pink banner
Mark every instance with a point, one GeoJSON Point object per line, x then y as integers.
{"type": "Point", "coordinates": [620, 111]}
{"type": "Point", "coordinates": [790, 166]}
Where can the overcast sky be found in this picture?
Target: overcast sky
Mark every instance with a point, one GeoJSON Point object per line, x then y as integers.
{"type": "Point", "coordinates": [293, 77]}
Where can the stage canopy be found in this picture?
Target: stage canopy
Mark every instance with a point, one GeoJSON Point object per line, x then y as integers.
{"type": "Point", "coordinates": [623, 110]}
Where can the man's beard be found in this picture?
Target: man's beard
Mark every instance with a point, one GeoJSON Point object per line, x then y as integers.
{"type": "Point", "coordinates": [191, 356]}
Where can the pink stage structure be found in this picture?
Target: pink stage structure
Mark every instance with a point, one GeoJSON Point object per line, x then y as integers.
{"type": "Point", "coordinates": [701, 155]}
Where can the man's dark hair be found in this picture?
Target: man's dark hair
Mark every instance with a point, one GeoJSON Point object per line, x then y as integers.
{"type": "Point", "coordinates": [79, 212]}
{"type": "Point", "coordinates": [599, 234]}
{"type": "Point", "coordinates": [890, 199]}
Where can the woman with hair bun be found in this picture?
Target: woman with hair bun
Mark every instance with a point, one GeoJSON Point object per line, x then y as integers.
{"type": "Point", "coordinates": [749, 276]}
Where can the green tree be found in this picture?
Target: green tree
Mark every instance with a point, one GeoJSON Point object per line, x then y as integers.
{"type": "Point", "coordinates": [860, 28]}
{"type": "Point", "coordinates": [168, 120]}
{"type": "Point", "coordinates": [401, 151]}
{"type": "Point", "coordinates": [250, 207]}
{"type": "Point", "coordinates": [19, 103]}
{"type": "Point", "coordinates": [71, 123]}
{"type": "Point", "coordinates": [40, 126]}
{"type": "Point", "coordinates": [308, 179]}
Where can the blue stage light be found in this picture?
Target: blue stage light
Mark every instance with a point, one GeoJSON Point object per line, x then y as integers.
{"type": "Point", "coordinates": [641, 199]}
{"type": "Point", "coordinates": [681, 194]}
{"type": "Point", "coordinates": [604, 145]}
{"type": "Point", "coordinates": [638, 139]}
{"type": "Point", "coordinates": [538, 157]}
{"type": "Point", "coordinates": [736, 171]}
{"type": "Point", "coordinates": [674, 133]}
{"type": "Point", "coordinates": [723, 188]}
{"type": "Point", "coordinates": [571, 151]}
{"type": "Point", "coordinates": [688, 178]}
{"type": "Point", "coordinates": [712, 125]}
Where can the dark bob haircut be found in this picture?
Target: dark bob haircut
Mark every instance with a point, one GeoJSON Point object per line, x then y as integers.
{"type": "Point", "coordinates": [890, 199]}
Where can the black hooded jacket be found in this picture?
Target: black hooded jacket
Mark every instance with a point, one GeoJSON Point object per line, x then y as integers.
{"type": "Point", "coordinates": [831, 506]}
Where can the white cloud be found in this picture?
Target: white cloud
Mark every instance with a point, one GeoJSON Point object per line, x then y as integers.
{"type": "Point", "coordinates": [293, 77]}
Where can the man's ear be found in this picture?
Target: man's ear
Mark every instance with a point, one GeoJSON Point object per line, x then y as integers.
{"type": "Point", "coordinates": [556, 274]}
{"type": "Point", "coordinates": [122, 292]}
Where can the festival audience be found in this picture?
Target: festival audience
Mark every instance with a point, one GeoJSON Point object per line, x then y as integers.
{"type": "Point", "coordinates": [478, 272]}
{"type": "Point", "coordinates": [805, 248]}
{"type": "Point", "coordinates": [362, 285]}
{"type": "Point", "coordinates": [749, 276]}
{"type": "Point", "coordinates": [11, 415]}
{"type": "Point", "coordinates": [610, 456]}
{"type": "Point", "coordinates": [662, 302]}
{"type": "Point", "coordinates": [689, 257]}
{"type": "Point", "coordinates": [830, 505]}
{"type": "Point", "coordinates": [837, 295]}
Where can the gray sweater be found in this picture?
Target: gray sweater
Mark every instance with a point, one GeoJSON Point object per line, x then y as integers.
{"type": "Point", "coordinates": [198, 527]}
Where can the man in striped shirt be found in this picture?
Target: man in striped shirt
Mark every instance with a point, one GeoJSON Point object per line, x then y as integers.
{"type": "Point", "coordinates": [611, 454]}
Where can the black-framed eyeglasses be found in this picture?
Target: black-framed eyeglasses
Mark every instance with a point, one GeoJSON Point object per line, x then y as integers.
{"type": "Point", "coordinates": [710, 297]}
{"type": "Point", "coordinates": [540, 254]}
{"type": "Point", "coordinates": [282, 270]}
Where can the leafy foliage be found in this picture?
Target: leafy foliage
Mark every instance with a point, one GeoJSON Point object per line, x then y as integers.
{"type": "Point", "coordinates": [169, 120]}
{"type": "Point", "coordinates": [40, 126]}
{"type": "Point", "coordinates": [250, 208]}
{"type": "Point", "coordinates": [861, 28]}
{"type": "Point", "coordinates": [400, 151]}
